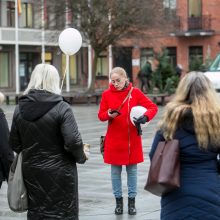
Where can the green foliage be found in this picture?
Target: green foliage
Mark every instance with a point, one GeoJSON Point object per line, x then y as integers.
{"type": "Point", "coordinates": [164, 78]}
{"type": "Point", "coordinates": [206, 65]}
{"type": "Point", "coordinates": [171, 84]}
{"type": "Point", "coordinates": [195, 63]}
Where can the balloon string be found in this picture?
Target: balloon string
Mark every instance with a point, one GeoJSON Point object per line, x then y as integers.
{"type": "Point", "coordinates": [64, 75]}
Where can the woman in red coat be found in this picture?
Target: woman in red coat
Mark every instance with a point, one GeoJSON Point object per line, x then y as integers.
{"type": "Point", "coordinates": [123, 144]}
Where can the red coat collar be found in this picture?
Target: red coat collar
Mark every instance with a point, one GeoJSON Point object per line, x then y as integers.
{"type": "Point", "coordinates": [113, 89]}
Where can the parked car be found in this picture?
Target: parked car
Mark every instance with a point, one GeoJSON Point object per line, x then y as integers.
{"type": "Point", "coordinates": [213, 73]}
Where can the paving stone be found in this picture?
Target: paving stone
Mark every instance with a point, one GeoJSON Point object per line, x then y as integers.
{"type": "Point", "coordinates": [96, 201]}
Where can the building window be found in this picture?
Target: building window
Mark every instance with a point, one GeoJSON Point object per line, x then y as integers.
{"type": "Point", "coordinates": [4, 69]}
{"type": "Point", "coordinates": [146, 53]}
{"type": "Point", "coordinates": [102, 66]}
{"type": "Point", "coordinates": [72, 69]}
{"type": "Point", "coordinates": [48, 58]}
{"type": "Point", "coordinates": [26, 16]}
{"type": "Point", "coordinates": [50, 20]}
{"type": "Point", "coordinates": [171, 4]}
{"type": "Point", "coordinates": [10, 13]}
{"type": "Point", "coordinates": [1, 23]}
{"type": "Point", "coordinates": [195, 57]}
{"type": "Point", "coordinates": [169, 8]}
{"type": "Point", "coordinates": [195, 21]}
{"type": "Point", "coordinates": [26, 65]}
{"type": "Point", "coordinates": [195, 8]}
{"type": "Point", "coordinates": [59, 21]}
{"type": "Point", "coordinates": [171, 53]}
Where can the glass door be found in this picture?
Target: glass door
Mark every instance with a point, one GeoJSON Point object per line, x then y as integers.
{"type": "Point", "coordinates": [27, 63]}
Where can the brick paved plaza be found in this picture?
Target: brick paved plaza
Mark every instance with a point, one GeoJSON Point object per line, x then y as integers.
{"type": "Point", "coordinates": [95, 195]}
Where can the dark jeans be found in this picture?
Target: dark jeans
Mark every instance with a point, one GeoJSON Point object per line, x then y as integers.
{"type": "Point", "coordinates": [145, 84]}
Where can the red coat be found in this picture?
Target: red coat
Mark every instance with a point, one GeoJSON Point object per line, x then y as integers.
{"type": "Point", "coordinates": [122, 144]}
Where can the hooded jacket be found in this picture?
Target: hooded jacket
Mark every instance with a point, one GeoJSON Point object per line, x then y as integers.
{"type": "Point", "coordinates": [6, 153]}
{"type": "Point", "coordinates": [123, 145]}
{"type": "Point", "coordinates": [44, 128]}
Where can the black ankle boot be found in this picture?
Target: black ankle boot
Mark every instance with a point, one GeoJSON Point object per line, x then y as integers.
{"type": "Point", "coordinates": [119, 206]}
{"type": "Point", "coordinates": [131, 206]}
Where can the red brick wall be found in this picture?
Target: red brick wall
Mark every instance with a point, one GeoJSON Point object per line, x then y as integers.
{"type": "Point", "coordinates": [158, 38]}
{"type": "Point", "coordinates": [161, 38]}
{"type": "Point", "coordinates": [135, 68]}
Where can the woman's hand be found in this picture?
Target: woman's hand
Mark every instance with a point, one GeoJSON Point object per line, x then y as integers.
{"type": "Point", "coordinates": [138, 121]}
{"type": "Point", "coordinates": [113, 113]}
{"type": "Point", "coordinates": [86, 149]}
{"type": "Point", "coordinates": [141, 120]}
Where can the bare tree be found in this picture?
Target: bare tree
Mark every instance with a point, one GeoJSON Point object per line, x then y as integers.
{"type": "Point", "coordinates": [105, 22]}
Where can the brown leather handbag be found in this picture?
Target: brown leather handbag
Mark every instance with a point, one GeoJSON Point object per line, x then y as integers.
{"type": "Point", "coordinates": [102, 142]}
{"type": "Point", "coordinates": [164, 173]}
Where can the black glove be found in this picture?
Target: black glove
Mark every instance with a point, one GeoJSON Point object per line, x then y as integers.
{"type": "Point", "coordinates": [141, 120]}
{"type": "Point", "coordinates": [138, 126]}
{"type": "Point", "coordinates": [138, 121]}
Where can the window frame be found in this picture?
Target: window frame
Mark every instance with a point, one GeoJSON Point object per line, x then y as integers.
{"type": "Point", "coordinates": [10, 14]}
{"type": "Point", "coordinates": [5, 72]}
{"type": "Point", "coordinates": [146, 53]}
{"type": "Point", "coordinates": [26, 16]}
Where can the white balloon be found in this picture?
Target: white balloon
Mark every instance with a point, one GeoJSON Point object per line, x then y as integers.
{"type": "Point", "coordinates": [70, 41]}
{"type": "Point", "coordinates": [136, 112]}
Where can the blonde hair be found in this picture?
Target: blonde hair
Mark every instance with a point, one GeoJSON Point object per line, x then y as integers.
{"type": "Point", "coordinates": [44, 77]}
{"type": "Point", "coordinates": [2, 97]}
{"type": "Point", "coordinates": [196, 93]}
{"type": "Point", "coordinates": [120, 71]}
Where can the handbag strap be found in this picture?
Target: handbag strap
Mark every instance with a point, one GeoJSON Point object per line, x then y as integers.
{"type": "Point", "coordinates": [129, 93]}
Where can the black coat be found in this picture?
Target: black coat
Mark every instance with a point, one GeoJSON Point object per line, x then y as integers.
{"type": "Point", "coordinates": [6, 153]}
{"type": "Point", "coordinates": [44, 128]}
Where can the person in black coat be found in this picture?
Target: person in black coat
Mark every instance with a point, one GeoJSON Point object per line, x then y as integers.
{"type": "Point", "coordinates": [6, 153]}
{"type": "Point", "coordinates": [179, 70]}
{"type": "Point", "coordinates": [45, 130]}
{"type": "Point", "coordinates": [145, 75]}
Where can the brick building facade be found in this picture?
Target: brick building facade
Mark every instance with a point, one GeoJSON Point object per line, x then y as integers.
{"type": "Point", "coordinates": [192, 30]}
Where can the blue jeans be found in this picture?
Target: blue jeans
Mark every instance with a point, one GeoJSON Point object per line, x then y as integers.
{"type": "Point", "coordinates": [131, 180]}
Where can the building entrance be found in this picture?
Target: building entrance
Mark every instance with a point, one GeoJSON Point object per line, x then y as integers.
{"type": "Point", "coordinates": [27, 63]}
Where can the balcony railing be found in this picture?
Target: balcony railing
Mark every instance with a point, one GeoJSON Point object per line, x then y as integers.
{"type": "Point", "coordinates": [28, 36]}
{"type": "Point", "coordinates": [199, 23]}
{"type": "Point", "coordinates": [202, 23]}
